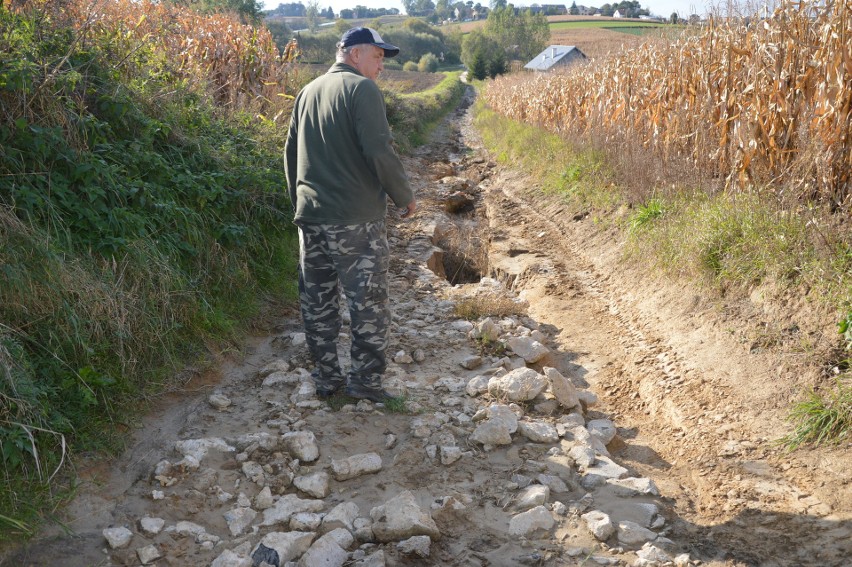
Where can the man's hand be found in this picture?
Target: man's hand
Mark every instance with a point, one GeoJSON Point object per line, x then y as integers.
{"type": "Point", "coordinates": [408, 211]}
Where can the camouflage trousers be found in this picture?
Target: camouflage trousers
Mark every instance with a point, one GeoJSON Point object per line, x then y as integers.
{"type": "Point", "coordinates": [356, 256]}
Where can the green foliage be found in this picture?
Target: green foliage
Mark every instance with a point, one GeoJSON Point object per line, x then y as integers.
{"type": "Point", "coordinates": [845, 329]}
{"type": "Point", "coordinates": [821, 419]}
{"type": "Point", "coordinates": [410, 66]}
{"type": "Point", "coordinates": [139, 223]}
{"type": "Point", "coordinates": [428, 63]}
{"type": "Point", "coordinates": [412, 116]}
{"type": "Point", "coordinates": [647, 213]}
{"type": "Point", "coordinates": [521, 35]}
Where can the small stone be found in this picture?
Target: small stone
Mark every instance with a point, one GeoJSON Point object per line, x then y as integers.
{"type": "Point", "coordinates": [239, 519]}
{"type": "Point", "coordinates": [633, 486]}
{"type": "Point", "coordinates": [603, 429]}
{"type": "Point", "coordinates": [402, 357]}
{"type": "Point", "coordinates": [277, 548]}
{"type": "Point", "coordinates": [219, 401]}
{"type": "Point", "coordinates": [298, 339]}
{"type": "Point", "coordinates": [356, 465]}
{"type": "Point", "coordinates": [151, 526]}
{"type": "Point", "coordinates": [315, 484]}
{"type": "Point", "coordinates": [518, 385]}
{"type": "Point", "coordinates": [599, 524]}
{"type": "Point", "coordinates": [400, 518]}
{"type": "Point", "coordinates": [538, 431]}
{"type": "Point", "coordinates": [651, 556]}
{"type": "Point", "coordinates": [631, 533]}
{"type": "Point", "coordinates": [416, 545]}
{"type": "Point", "coordinates": [305, 522]}
{"type": "Point", "coordinates": [477, 385]}
{"type": "Point", "coordinates": [302, 445]}
{"type": "Point", "coordinates": [341, 516]}
{"type": "Point", "coordinates": [117, 537]}
{"type": "Point", "coordinates": [419, 355]}
{"type": "Point", "coordinates": [532, 496]}
{"type": "Point", "coordinates": [148, 554]}
{"type": "Point", "coordinates": [263, 499]}
{"type": "Point", "coordinates": [450, 455]}
{"type": "Point", "coordinates": [531, 522]}
{"type": "Point", "coordinates": [527, 348]}
{"type": "Point", "coordinates": [471, 362]}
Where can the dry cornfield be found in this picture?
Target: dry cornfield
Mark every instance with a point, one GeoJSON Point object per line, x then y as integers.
{"type": "Point", "coordinates": [239, 64]}
{"type": "Point", "coordinates": [761, 102]}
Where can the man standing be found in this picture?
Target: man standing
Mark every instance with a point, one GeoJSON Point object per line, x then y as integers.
{"type": "Point", "coordinates": [341, 168]}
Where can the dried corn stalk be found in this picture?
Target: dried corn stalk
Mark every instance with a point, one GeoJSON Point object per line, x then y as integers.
{"type": "Point", "coordinates": [765, 101]}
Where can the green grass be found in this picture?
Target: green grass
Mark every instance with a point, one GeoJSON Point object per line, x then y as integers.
{"type": "Point", "coordinates": [413, 116]}
{"type": "Point", "coordinates": [821, 418]}
{"type": "Point", "coordinates": [576, 174]}
{"type": "Point", "coordinates": [605, 24]}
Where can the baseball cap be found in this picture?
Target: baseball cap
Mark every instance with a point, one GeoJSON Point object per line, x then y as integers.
{"type": "Point", "coordinates": [360, 36]}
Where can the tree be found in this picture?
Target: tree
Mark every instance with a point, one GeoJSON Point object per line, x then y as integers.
{"type": "Point", "coordinates": [428, 63]}
{"type": "Point", "coordinates": [479, 67]}
{"type": "Point", "coordinates": [574, 11]}
{"type": "Point", "coordinates": [673, 18]}
{"type": "Point", "coordinates": [312, 15]}
{"type": "Point", "coordinates": [523, 34]}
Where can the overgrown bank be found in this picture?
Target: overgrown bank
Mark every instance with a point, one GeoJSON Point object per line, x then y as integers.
{"type": "Point", "coordinates": [730, 245]}
{"type": "Point", "coordinates": [143, 218]}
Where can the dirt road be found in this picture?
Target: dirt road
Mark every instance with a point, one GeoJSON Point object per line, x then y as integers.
{"type": "Point", "coordinates": [611, 417]}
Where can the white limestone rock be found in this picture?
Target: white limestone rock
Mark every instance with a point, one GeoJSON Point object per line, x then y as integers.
{"type": "Point", "coordinates": [518, 385]}
{"type": "Point", "coordinates": [631, 533]}
{"type": "Point", "coordinates": [599, 524]}
{"type": "Point", "coordinates": [416, 545]}
{"type": "Point", "coordinates": [633, 486]}
{"type": "Point", "coordinates": [198, 448]}
{"type": "Point", "coordinates": [527, 348]}
{"type": "Point", "coordinates": [583, 456]}
{"type": "Point", "coordinates": [277, 548]}
{"type": "Point", "coordinates": [356, 465]}
{"type": "Point", "coordinates": [400, 518]}
{"type": "Point", "coordinates": [117, 537]}
{"type": "Point", "coordinates": [151, 526]}
{"type": "Point", "coordinates": [315, 484]}
{"type": "Point", "coordinates": [651, 556]}
{"type": "Point", "coordinates": [538, 431]}
{"type": "Point", "coordinates": [302, 445]}
{"type": "Point", "coordinates": [603, 429]}
{"type": "Point", "coordinates": [532, 496]}
{"type": "Point", "coordinates": [237, 557]}
{"type": "Point", "coordinates": [562, 388]}
{"type": "Point", "coordinates": [148, 554]}
{"type": "Point", "coordinates": [341, 516]}
{"type": "Point", "coordinates": [239, 519]}
{"type": "Point", "coordinates": [532, 522]}
{"type": "Point", "coordinates": [219, 401]}
{"type": "Point", "coordinates": [263, 499]}
{"type": "Point", "coordinates": [491, 433]}
{"type": "Point", "coordinates": [287, 506]}
{"type": "Point", "coordinates": [306, 522]}
{"type": "Point", "coordinates": [325, 552]}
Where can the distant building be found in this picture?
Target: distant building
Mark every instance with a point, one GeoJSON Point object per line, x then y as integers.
{"type": "Point", "coordinates": [546, 9]}
{"type": "Point", "coordinates": [617, 14]}
{"type": "Point", "coordinates": [556, 57]}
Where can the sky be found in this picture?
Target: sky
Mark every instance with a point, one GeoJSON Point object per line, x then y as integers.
{"type": "Point", "coordinates": [658, 7]}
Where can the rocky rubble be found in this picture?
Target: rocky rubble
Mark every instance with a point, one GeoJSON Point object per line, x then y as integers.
{"type": "Point", "coordinates": [282, 492]}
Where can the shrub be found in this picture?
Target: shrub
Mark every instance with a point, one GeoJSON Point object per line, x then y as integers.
{"type": "Point", "coordinates": [428, 63]}
{"type": "Point", "coordinates": [410, 66]}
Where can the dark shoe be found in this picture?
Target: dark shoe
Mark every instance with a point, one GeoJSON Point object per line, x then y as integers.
{"type": "Point", "coordinates": [378, 396]}
{"type": "Point", "coordinates": [326, 392]}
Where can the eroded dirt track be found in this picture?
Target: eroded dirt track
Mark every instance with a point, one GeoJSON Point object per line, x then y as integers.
{"type": "Point", "coordinates": [695, 412]}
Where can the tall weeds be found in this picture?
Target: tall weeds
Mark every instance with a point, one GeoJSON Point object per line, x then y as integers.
{"type": "Point", "coordinates": [143, 213]}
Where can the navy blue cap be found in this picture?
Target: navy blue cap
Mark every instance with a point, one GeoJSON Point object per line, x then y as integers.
{"type": "Point", "coordinates": [360, 36]}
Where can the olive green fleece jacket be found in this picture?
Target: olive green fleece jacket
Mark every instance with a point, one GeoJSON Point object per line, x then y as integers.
{"type": "Point", "coordinates": [339, 161]}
